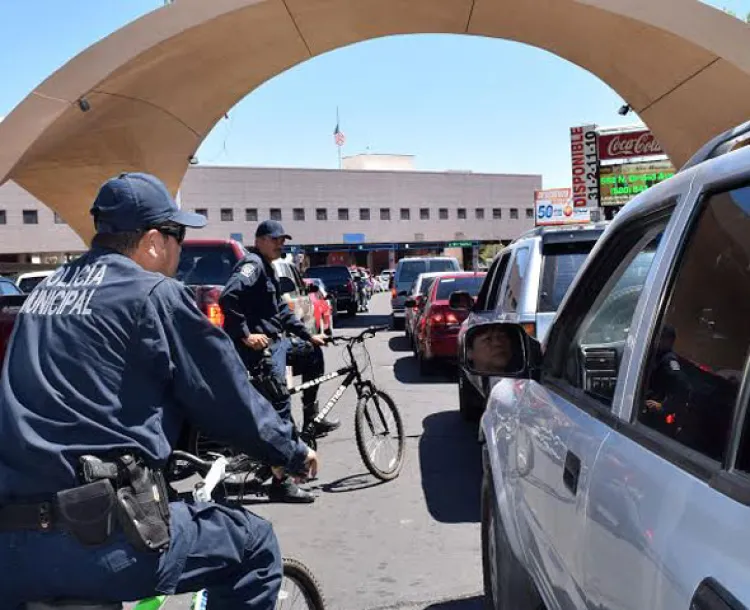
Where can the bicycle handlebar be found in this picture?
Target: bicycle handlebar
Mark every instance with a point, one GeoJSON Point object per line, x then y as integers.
{"type": "Point", "coordinates": [202, 467]}
{"type": "Point", "coordinates": [212, 473]}
{"type": "Point", "coordinates": [366, 333]}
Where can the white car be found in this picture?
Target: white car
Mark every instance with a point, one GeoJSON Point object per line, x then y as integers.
{"type": "Point", "coordinates": [26, 282]}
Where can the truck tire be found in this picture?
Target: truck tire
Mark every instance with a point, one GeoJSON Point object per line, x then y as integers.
{"type": "Point", "coordinates": [470, 402]}
{"type": "Point", "coordinates": [507, 585]}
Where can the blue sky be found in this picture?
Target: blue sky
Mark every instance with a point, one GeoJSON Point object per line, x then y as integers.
{"type": "Point", "coordinates": [509, 113]}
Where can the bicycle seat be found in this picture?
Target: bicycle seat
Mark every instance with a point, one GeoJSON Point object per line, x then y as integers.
{"type": "Point", "coordinates": [72, 604]}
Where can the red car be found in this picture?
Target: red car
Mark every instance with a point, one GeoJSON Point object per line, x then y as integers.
{"type": "Point", "coordinates": [322, 309]}
{"type": "Point", "coordinates": [436, 336]}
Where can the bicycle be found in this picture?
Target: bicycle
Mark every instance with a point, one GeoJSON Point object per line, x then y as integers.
{"type": "Point", "coordinates": [371, 416]}
{"type": "Point", "coordinates": [213, 473]}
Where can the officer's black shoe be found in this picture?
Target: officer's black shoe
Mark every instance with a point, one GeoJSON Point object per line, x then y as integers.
{"type": "Point", "coordinates": [286, 490]}
{"type": "Point", "coordinates": [321, 428]}
{"type": "Point", "coordinates": [327, 425]}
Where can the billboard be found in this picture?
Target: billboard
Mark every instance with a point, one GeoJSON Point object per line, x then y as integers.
{"type": "Point", "coordinates": [620, 146]}
{"type": "Point", "coordinates": [620, 183]}
{"type": "Point", "coordinates": [555, 207]}
{"type": "Point", "coordinates": [584, 154]}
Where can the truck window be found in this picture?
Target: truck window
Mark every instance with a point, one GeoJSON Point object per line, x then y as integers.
{"type": "Point", "coordinates": [493, 290]}
{"type": "Point", "coordinates": [449, 285]}
{"type": "Point", "coordinates": [515, 284]}
{"type": "Point", "coordinates": [560, 264]}
{"type": "Point", "coordinates": [410, 270]}
{"type": "Point", "coordinates": [593, 357]}
{"type": "Point", "coordinates": [205, 265]}
{"type": "Point", "coordinates": [441, 265]}
{"type": "Point", "coordinates": [699, 350]}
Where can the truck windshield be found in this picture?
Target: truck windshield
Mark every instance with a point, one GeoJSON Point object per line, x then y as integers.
{"type": "Point", "coordinates": [205, 265]}
{"type": "Point", "coordinates": [560, 265]}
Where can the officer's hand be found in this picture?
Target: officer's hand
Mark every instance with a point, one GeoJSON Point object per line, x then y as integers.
{"type": "Point", "coordinates": [653, 405]}
{"type": "Point", "coordinates": [311, 464]}
{"type": "Point", "coordinates": [256, 342]}
{"type": "Point", "coordinates": [320, 340]}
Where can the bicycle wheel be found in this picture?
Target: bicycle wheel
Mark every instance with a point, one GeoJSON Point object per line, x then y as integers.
{"type": "Point", "coordinates": [378, 425]}
{"type": "Point", "coordinates": [299, 588]}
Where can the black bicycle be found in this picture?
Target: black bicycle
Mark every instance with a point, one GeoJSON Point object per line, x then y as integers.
{"type": "Point", "coordinates": [378, 427]}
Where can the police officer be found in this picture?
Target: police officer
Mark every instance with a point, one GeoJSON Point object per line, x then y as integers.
{"type": "Point", "coordinates": [668, 389]}
{"type": "Point", "coordinates": [257, 317]}
{"type": "Point", "coordinates": [110, 356]}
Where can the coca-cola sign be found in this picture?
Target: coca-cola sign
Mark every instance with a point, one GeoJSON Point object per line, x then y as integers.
{"type": "Point", "coordinates": [628, 144]}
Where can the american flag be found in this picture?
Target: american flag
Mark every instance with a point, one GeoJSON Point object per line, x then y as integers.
{"type": "Point", "coordinates": [338, 136]}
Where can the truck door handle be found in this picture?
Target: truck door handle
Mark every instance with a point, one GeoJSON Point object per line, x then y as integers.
{"type": "Point", "coordinates": [710, 595]}
{"type": "Point", "coordinates": [571, 471]}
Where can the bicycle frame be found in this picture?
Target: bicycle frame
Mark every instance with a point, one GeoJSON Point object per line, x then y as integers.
{"type": "Point", "coordinates": [353, 377]}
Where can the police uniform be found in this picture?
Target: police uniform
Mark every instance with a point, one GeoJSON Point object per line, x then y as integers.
{"type": "Point", "coordinates": [107, 358]}
{"type": "Point", "coordinates": [252, 303]}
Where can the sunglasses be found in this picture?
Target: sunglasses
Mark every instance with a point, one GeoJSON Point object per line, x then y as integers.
{"type": "Point", "coordinates": [176, 231]}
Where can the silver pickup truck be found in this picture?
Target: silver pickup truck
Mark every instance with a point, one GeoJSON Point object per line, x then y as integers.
{"type": "Point", "coordinates": [617, 453]}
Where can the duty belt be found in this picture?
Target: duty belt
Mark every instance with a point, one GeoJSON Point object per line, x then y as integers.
{"type": "Point", "coordinates": [29, 516]}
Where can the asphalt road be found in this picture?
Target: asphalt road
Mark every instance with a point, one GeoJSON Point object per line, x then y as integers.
{"type": "Point", "coordinates": [412, 543]}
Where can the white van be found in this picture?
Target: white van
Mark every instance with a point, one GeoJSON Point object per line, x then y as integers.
{"type": "Point", "coordinates": [407, 270]}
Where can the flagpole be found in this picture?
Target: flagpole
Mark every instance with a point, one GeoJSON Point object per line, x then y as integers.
{"type": "Point", "coordinates": [337, 124]}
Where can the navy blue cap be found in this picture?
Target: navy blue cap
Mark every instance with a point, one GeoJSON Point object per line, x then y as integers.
{"type": "Point", "coordinates": [271, 228]}
{"type": "Point", "coordinates": [135, 201]}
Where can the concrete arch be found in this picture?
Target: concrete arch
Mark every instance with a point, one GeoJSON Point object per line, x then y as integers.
{"type": "Point", "coordinates": [157, 86]}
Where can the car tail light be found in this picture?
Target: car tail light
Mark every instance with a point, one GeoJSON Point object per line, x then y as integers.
{"type": "Point", "coordinates": [214, 313]}
{"type": "Point", "coordinates": [208, 302]}
{"type": "Point", "coordinates": [530, 328]}
{"type": "Point", "coordinates": [441, 317]}
{"type": "Point", "coordinates": [393, 293]}
{"type": "Point", "coordinates": [350, 286]}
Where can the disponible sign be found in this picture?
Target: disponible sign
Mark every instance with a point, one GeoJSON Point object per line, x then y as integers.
{"type": "Point", "coordinates": [627, 144]}
{"type": "Point", "coordinates": [620, 183]}
{"type": "Point", "coordinates": [555, 207]}
{"type": "Point", "coordinates": [585, 157]}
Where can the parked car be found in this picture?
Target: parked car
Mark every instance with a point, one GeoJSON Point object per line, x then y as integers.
{"type": "Point", "coordinates": [525, 284]}
{"type": "Point", "coordinates": [26, 282]}
{"type": "Point", "coordinates": [325, 293]}
{"type": "Point", "coordinates": [11, 299]}
{"type": "Point", "coordinates": [616, 452]}
{"type": "Point", "coordinates": [339, 281]}
{"type": "Point", "coordinates": [418, 292]}
{"type": "Point", "coordinates": [407, 270]}
{"type": "Point", "coordinates": [322, 309]}
{"type": "Point", "coordinates": [436, 334]}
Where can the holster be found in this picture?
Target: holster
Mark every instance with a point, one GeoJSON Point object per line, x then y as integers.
{"type": "Point", "coordinates": [141, 499]}
{"type": "Point", "coordinates": [268, 384]}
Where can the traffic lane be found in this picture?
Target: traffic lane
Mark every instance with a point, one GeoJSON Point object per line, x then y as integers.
{"type": "Point", "coordinates": [413, 541]}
